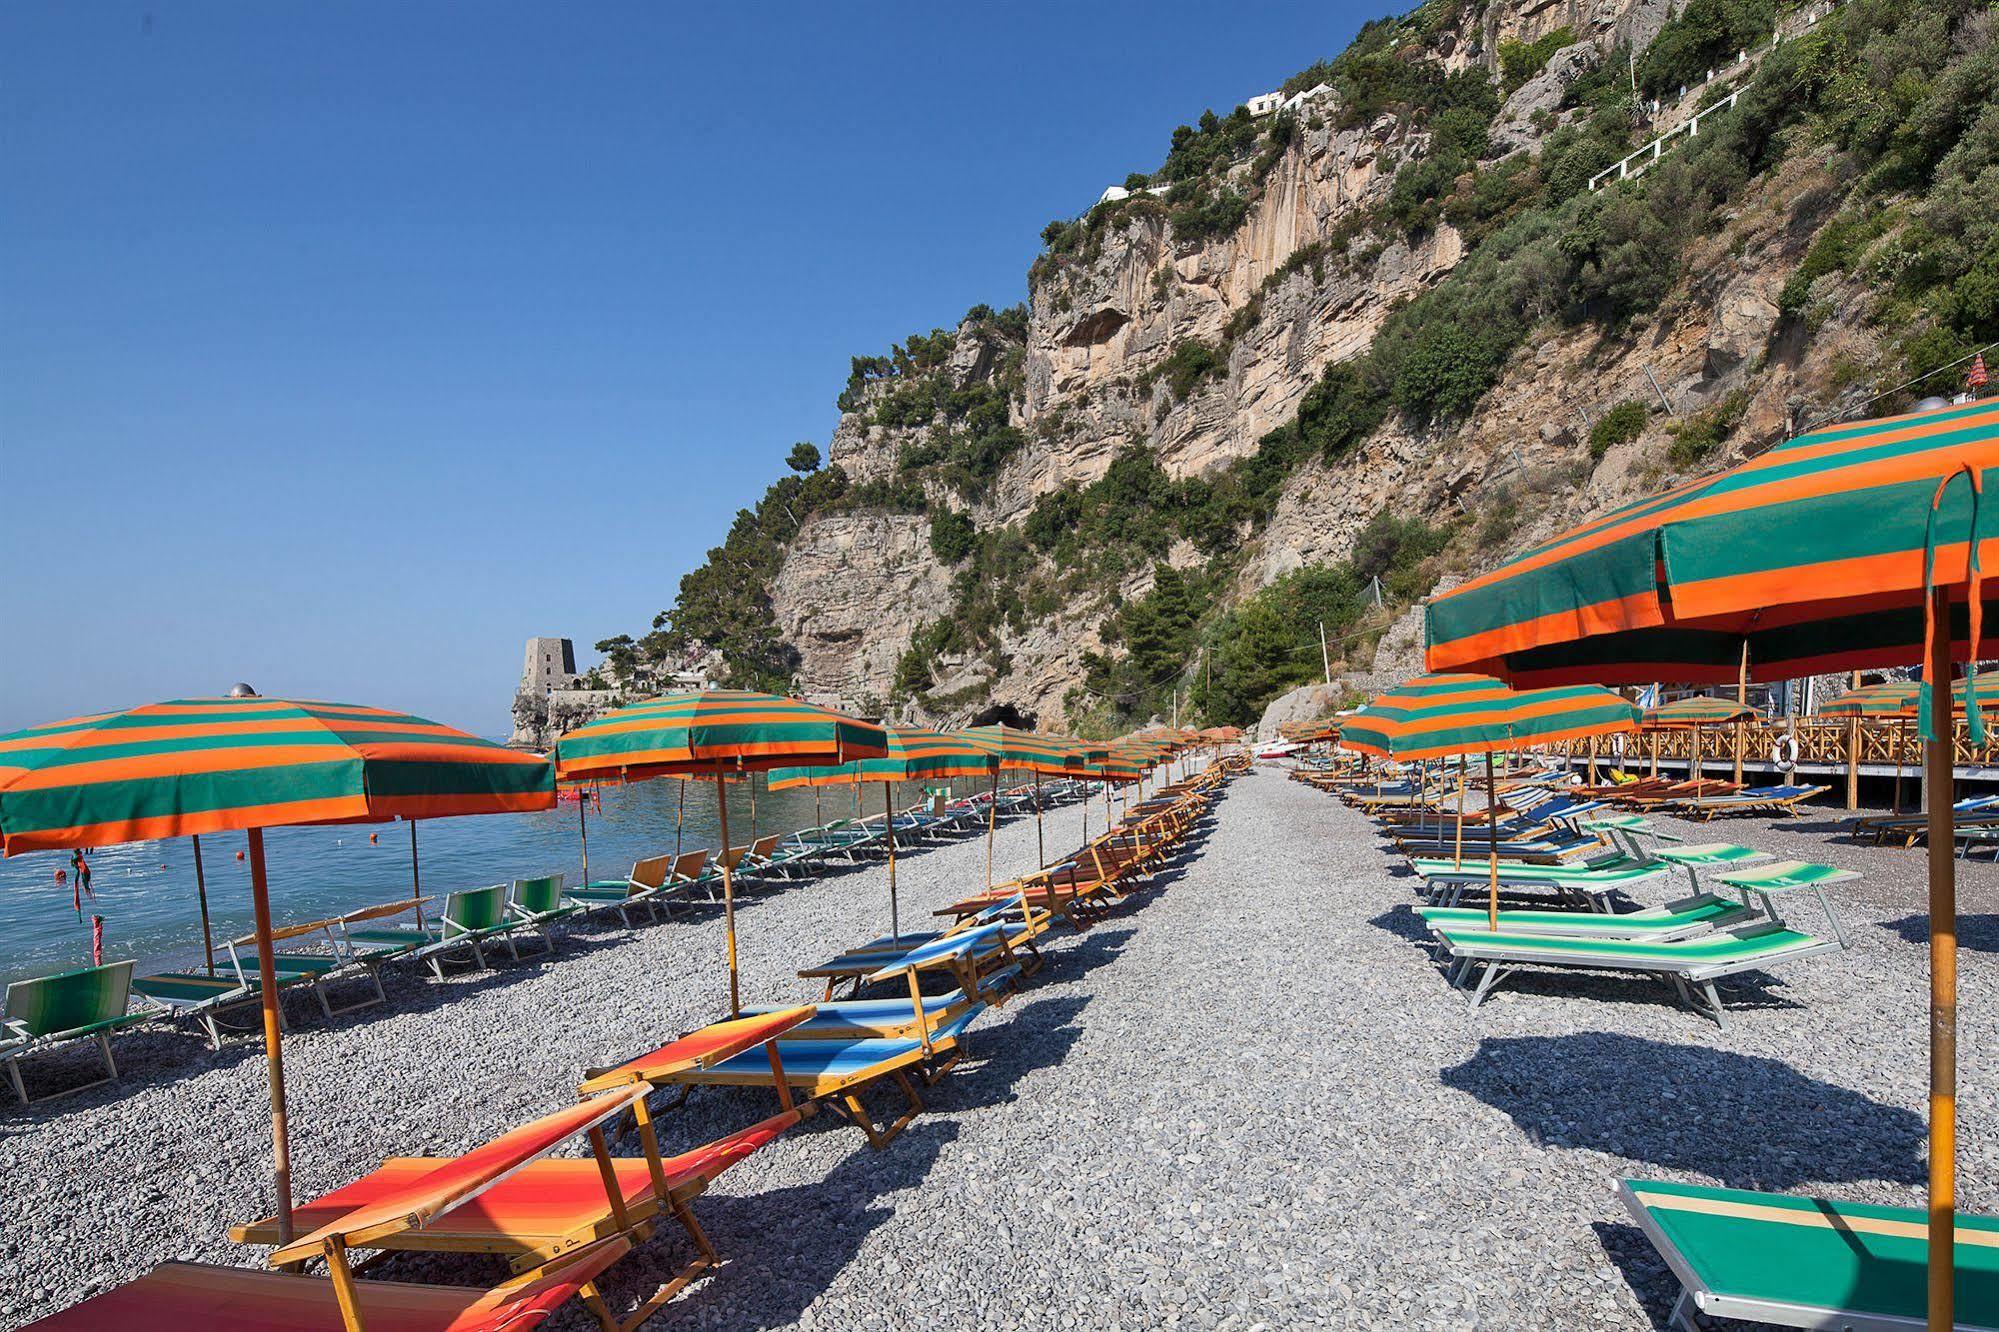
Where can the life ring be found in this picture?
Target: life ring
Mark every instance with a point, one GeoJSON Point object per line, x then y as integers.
{"type": "Point", "coordinates": [1784, 753]}
{"type": "Point", "coordinates": [1617, 744]}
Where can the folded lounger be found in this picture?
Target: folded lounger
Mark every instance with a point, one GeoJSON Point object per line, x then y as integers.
{"type": "Point", "coordinates": [1750, 800]}
{"type": "Point", "coordinates": [1024, 925]}
{"type": "Point", "coordinates": [967, 954]}
{"type": "Point", "coordinates": [1480, 959]}
{"type": "Point", "coordinates": [1809, 1262]}
{"type": "Point", "coordinates": [46, 1012]}
{"type": "Point", "coordinates": [511, 1198]}
{"type": "Point", "coordinates": [898, 1017]}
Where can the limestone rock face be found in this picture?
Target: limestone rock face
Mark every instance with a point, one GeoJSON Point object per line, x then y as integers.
{"type": "Point", "coordinates": [853, 588]}
{"type": "Point", "coordinates": [1305, 703]}
{"type": "Point", "coordinates": [1541, 96]}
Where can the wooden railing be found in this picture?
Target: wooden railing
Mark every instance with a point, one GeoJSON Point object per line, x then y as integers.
{"type": "Point", "coordinates": [1822, 743]}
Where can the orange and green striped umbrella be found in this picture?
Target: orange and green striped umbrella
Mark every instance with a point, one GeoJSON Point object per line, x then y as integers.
{"type": "Point", "coordinates": [1437, 715]}
{"type": "Point", "coordinates": [1811, 555]}
{"type": "Point", "coordinates": [1696, 710]}
{"type": "Point", "coordinates": [711, 735]}
{"type": "Point", "coordinates": [914, 755]}
{"type": "Point", "coordinates": [1900, 698]}
{"type": "Point", "coordinates": [203, 765]}
{"type": "Point", "coordinates": [690, 734]}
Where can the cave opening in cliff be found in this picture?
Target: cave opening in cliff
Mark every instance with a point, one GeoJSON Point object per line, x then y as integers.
{"type": "Point", "coordinates": [1004, 714]}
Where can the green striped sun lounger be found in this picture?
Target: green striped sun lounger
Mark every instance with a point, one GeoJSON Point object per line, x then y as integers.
{"type": "Point", "coordinates": [46, 1012]}
{"type": "Point", "coordinates": [1808, 1262]}
{"type": "Point", "coordinates": [472, 917]}
{"type": "Point", "coordinates": [1448, 884]}
{"type": "Point", "coordinates": [203, 997]}
{"type": "Point", "coordinates": [1675, 920]}
{"type": "Point", "coordinates": [539, 904]}
{"type": "Point", "coordinates": [1480, 959]}
{"type": "Point", "coordinates": [1772, 881]}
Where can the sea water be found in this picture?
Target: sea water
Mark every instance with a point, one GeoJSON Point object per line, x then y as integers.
{"type": "Point", "coordinates": [145, 891]}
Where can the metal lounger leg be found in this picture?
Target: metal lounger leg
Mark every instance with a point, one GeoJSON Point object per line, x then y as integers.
{"type": "Point", "coordinates": [14, 1076]}
{"type": "Point", "coordinates": [1489, 978]}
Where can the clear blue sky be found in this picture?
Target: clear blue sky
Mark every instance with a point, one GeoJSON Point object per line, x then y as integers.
{"type": "Point", "coordinates": [344, 346]}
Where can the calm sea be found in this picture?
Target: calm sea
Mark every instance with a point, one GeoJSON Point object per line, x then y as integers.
{"type": "Point", "coordinates": [146, 891]}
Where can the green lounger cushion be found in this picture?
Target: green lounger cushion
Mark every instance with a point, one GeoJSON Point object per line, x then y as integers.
{"type": "Point", "coordinates": [72, 1003]}
{"type": "Point", "coordinates": [1743, 1250]}
{"type": "Point", "coordinates": [1706, 909]}
{"type": "Point", "coordinates": [1709, 853]}
{"type": "Point", "coordinates": [1727, 946]}
{"type": "Point", "coordinates": [1785, 875]}
{"type": "Point", "coordinates": [188, 989]}
{"type": "Point", "coordinates": [1606, 874]}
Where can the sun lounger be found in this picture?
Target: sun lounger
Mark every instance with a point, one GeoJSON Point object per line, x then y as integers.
{"type": "Point", "coordinates": [1809, 1262]}
{"type": "Point", "coordinates": [1676, 920]}
{"type": "Point", "coordinates": [471, 918]}
{"type": "Point", "coordinates": [47, 1012]}
{"type": "Point", "coordinates": [201, 1297]}
{"type": "Point", "coordinates": [315, 954]}
{"type": "Point", "coordinates": [510, 1197]}
{"type": "Point", "coordinates": [1447, 883]}
{"type": "Point", "coordinates": [1750, 800]}
{"type": "Point", "coordinates": [654, 882]}
{"type": "Point", "coordinates": [539, 904]}
{"type": "Point", "coordinates": [1480, 959]}
{"type": "Point", "coordinates": [899, 1017]}
{"type": "Point", "coordinates": [1972, 811]}
{"type": "Point", "coordinates": [968, 954]}
{"type": "Point", "coordinates": [776, 856]}
{"type": "Point", "coordinates": [1769, 882]}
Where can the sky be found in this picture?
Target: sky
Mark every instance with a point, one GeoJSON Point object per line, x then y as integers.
{"type": "Point", "coordinates": [343, 347]}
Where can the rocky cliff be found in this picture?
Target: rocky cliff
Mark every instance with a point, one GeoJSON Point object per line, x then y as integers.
{"type": "Point", "coordinates": [1387, 332]}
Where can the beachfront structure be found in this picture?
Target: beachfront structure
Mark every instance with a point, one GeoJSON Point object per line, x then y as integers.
{"type": "Point", "coordinates": [550, 664]}
{"type": "Point", "coordinates": [1263, 104]}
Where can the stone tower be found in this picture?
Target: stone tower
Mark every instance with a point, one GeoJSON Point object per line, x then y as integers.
{"type": "Point", "coordinates": [550, 664]}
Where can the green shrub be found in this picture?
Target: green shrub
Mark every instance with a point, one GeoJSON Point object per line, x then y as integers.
{"type": "Point", "coordinates": [1697, 438]}
{"type": "Point", "coordinates": [952, 536]}
{"type": "Point", "coordinates": [1520, 61]}
{"type": "Point", "coordinates": [1705, 35]}
{"type": "Point", "coordinates": [1190, 362]}
{"type": "Point", "coordinates": [1620, 425]}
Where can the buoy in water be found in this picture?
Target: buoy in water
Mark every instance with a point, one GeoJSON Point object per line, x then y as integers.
{"type": "Point", "coordinates": [239, 855]}
{"type": "Point", "coordinates": [374, 839]}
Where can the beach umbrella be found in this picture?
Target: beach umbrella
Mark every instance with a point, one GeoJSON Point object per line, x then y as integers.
{"type": "Point", "coordinates": [1900, 700]}
{"type": "Point", "coordinates": [1692, 714]}
{"type": "Point", "coordinates": [913, 756]}
{"type": "Point", "coordinates": [1458, 715]}
{"type": "Point", "coordinates": [713, 735]}
{"type": "Point", "coordinates": [205, 765]}
{"type": "Point", "coordinates": [1015, 750]}
{"type": "Point", "coordinates": [1856, 546]}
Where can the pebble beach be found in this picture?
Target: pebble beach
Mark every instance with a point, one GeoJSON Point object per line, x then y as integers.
{"type": "Point", "coordinates": [1245, 1100]}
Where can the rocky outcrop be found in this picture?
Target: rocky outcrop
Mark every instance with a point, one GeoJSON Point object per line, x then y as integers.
{"type": "Point", "coordinates": [853, 589]}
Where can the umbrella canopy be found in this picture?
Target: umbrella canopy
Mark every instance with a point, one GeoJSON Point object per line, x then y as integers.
{"type": "Point", "coordinates": [710, 735]}
{"type": "Point", "coordinates": [1698, 710]}
{"type": "Point", "coordinates": [1811, 555]}
{"type": "Point", "coordinates": [206, 764]}
{"type": "Point", "coordinates": [1433, 716]}
{"type": "Point", "coordinates": [1849, 548]}
{"type": "Point", "coordinates": [1901, 698]}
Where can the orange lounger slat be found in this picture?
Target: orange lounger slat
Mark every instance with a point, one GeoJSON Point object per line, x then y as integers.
{"type": "Point", "coordinates": [196, 1297]}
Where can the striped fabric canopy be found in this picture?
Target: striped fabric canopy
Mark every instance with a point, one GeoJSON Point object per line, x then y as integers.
{"type": "Point", "coordinates": [1025, 751]}
{"type": "Point", "coordinates": [1696, 710]}
{"type": "Point", "coordinates": [1899, 698]}
{"type": "Point", "coordinates": [204, 765]}
{"type": "Point", "coordinates": [913, 756]}
{"type": "Point", "coordinates": [1435, 715]}
{"type": "Point", "coordinates": [689, 734]}
{"type": "Point", "coordinates": [1811, 554]}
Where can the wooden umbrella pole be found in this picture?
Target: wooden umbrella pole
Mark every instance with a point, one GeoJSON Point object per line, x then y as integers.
{"type": "Point", "coordinates": [1853, 755]}
{"type": "Point", "coordinates": [750, 779]}
{"type": "Point", "coordinates": [1040, 845]}
{"type": "Point", "coordinates": [1655, 754]}
{"type": "Point", "coordinates": [1940, 763]}
{"type": "Point", "coordinates": [583, 833]}
{"type": "Point", "coordinates": [1741, 701]}
{"type": "Point", "coordinates": [1901, 755]}
{"type": "Point", "coordinates": [1458, 851]}
{"type": "Point", "coordinates": [416, 876]}
{"type": "Point", "coordinates": [201, 896]}
{"type": "Point", "coordinates": [728, 892]}
{"type": "Point", "coordinates": [992, 822]}
{"type": "Point", "coordinates": [1492, 842]}
{"type": "Point", "coordinates": [680, 818]}
{"type": "Point", "coordinates": [888, 812]}
{"type": "Point", "coordinates": [274, 1059]}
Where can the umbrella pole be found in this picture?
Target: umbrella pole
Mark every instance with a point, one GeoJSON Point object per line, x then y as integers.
{"type": "Point", "coordinates": [201, 896]}
{"type": "Point", "coordinates": [1458, 851]}
{"type": "Point", "coordinates": [582, 832]}
{"type": "Point", "coordinates": [1040, 846]}
{"type": "Point", "coordinates": [274, 1059]}
{"type": "Point", "coordinates": [1655, 754]}
{"type": "Point", "coordinates": [416, 877]}
{"type": "Point", "coordinates": [680, 818]}
{"type": "Point", "coordinates": [751, 780]}
{"type": "Point", "coordinates": [1741, 701]}
{"type": "Point", "coordinates": [888, 813]}
{"type": "Point", "coordinates": [1901, 752]}
{"type": "Point", "coordinates": [1492, 842]}
{"type": "Point", "coordinates": [818, 820]}
{"type": "Point", "coordinates": [728, 892]}
{"type": "Point", "coordinates": [992, 822]}
{"type": "Point", "coordinates": [1940, 762]}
